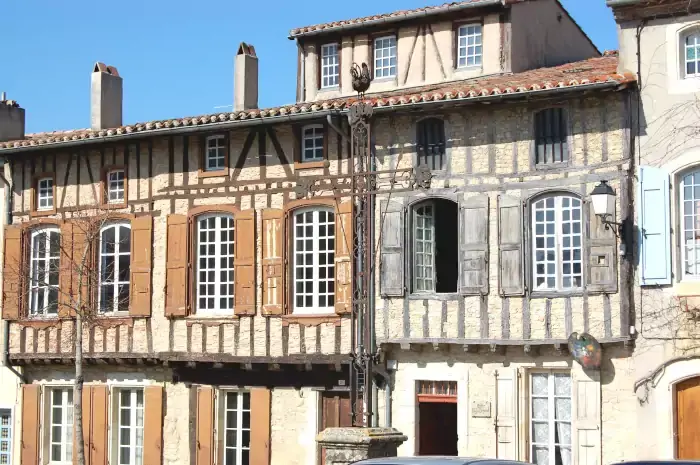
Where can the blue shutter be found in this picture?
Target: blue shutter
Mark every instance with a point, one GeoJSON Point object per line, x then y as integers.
{"type": "Point", "coordinates": [654, 227]}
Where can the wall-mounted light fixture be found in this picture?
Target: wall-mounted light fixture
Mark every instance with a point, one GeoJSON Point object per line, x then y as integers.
{"type": "Point", "coordinates": [603, 198]}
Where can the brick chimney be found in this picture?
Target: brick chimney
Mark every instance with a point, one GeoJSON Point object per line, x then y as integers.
{"type": "Point", "coordinates": [245, 79]}
{"type": "Point", "coordinates": [11, 120]}
{"type": "Point", "coordinates": [105, 97]}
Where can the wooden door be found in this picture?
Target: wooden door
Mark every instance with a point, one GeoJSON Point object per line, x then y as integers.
{"type": "Point", "coordinates": [688, 419]}
{"type": "Point", "coordinates": [335, 412]}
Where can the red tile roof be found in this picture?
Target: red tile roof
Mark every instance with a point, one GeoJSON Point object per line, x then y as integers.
{"type": "Point", "coordinates": [577, 75]}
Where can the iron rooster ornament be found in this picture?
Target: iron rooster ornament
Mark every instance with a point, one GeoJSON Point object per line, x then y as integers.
{"type": "Point", "coordinates": [586, 350]}
{"type": "Point", "coordinates": [361, 78]}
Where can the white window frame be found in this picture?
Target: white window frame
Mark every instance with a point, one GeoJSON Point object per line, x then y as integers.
{"type": "Point", "coordinates": [693, 218]}
{"type": "Point", "coordinates": [316, 134]}
{"type": "Point", "coordinates": [45, 286]}
{"type": "Point", "coordinates": [314, 282]}
{"type": "Point", "coordinates": [216, 308]}
{"type": "Point", "coordinates": [116, 283]}
{"type": "Point", "coordinates": [694, 34]}
{"type": "Point", "coordinates": [239, 428]}
{"type": "Point", "coordinates": [330, 65]}
{"type": "Point", "coordinates": [559, 243]}
{"type": "Point", "coordinates": [466, 50]}
{"type": "Point", "coordinates": [116, 184]}
{"type": "Point", "coordinates": [551, 415]}
{"type": "Point", "coordinates": [426, 255]}
{"type": "Point", "coordinates": [216, 151]}
{"type": "Point", "coordinates": [385, 48]}
{"type": "Point", "coordinates": [6, 439]}
{"type": "Point", "coordinates": [44, 194]}
{"type": "Point", "coordinates": [67, 426]}
{"type": "Point", "coordinates": [133, 428]}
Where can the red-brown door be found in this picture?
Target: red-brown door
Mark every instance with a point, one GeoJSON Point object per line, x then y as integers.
{"type": "Point", "coordinates": [335, 411]}
{"type": "Point", "coordinates": [688, 419]}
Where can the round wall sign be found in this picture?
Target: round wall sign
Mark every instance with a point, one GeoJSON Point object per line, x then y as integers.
{"type": "Point", "coordinates": [586, 350]}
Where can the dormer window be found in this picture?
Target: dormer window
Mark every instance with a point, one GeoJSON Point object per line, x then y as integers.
{"type": "Point", "coordinates": [469, 47]}
{"type": "Point", "coordinates": [692, 54]}
{"type": "Point", "coordinates": [385, 57]}
{"type": "Point", "coordinates": [216, 153]}
{"type": "Point", "coordinates": [330, 66]}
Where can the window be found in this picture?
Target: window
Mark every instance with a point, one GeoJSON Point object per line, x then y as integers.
{"type": "Point", "coordinates": [215, 159]}
{"type": "Point", "coordinates": [115, 267]}
{"type": "Point", "coordinates": [215, 254]}
{"type": "Point", "coordinates": [556, 226]}
{"type": "Point", "coordinates": [550, 423]}
{"type": "Point", "coordinates": [692, 54]}
{"type": "Point", "coordinates": [430, 140]}
{"type": "Point", "coordinates": [330, 66]}
{"type": "Point", "coordinates": [690, 201]}
{"type": "Point", "coordinates": [435, 246]}
{"type": "Point", "coordinates": [385, 57]}
{"type": "Point", "coordinates": [313, 143]}
{"type": "Point", "coordinates": [5, 436]}
{"type": "Point", "coordinates": [469, 51]}
{"type": "Point", "coordinates": [43, 271]}
{"type": "Point", "coordinates": [44, 199]}
{"type": "Point", "coordinates": [314, 261]}
{"type": "Point", "coordinates": [128, 427]}
{"type": "Point", "coordinates": [61, 425]}
{"type": "Point", "coordinates": [550, 136]}
{"type": "Point", "coordinates": [236, 428]}
{"type": "Point", "coordinates": [115, 186]}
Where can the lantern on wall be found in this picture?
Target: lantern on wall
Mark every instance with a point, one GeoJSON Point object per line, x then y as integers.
{"type": "Point", "coordinates": [586, 350]}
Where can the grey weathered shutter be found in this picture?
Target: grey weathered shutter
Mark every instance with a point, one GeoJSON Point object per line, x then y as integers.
{"type": "Point", "coordinates": [392, 248]}
{"type": "Point", "coordinates": [602, 260]}
{"type": "Point", "coordinates": [511, 270]}
{"type": "Point", "coordinates": [474, 246]}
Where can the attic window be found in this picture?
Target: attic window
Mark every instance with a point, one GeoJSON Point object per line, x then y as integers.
{"type": "Point", "coordinates": [385, 57]}
{"type": "Point", "coordinates": [469, 47]}
{"type": "Point", "coordinates": [216, 153]}
{"type": "Point", "coordinates": [44, 199]}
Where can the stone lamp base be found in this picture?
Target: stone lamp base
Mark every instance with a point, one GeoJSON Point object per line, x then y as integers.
{"type": "Point", "coordinates": [344, 446]}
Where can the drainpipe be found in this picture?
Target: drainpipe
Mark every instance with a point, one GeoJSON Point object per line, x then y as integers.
{"type": "Point", "coordinates": [6, 324]}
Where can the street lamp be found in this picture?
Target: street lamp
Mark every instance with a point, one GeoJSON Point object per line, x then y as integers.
{"type": "Point", "coordinates": [603, 198]}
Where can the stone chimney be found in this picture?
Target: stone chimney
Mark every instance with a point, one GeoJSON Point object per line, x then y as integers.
{"type": "Point", "coordinates": [105, 97]}
{"type": "Point", "coordinates": [11, 120]}
{"type": "Point", "coordinates": [245, 79]}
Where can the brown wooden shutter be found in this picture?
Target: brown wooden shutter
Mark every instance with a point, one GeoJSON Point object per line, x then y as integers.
{"type": "Point", "coordinates": [31, 420]}
{"type": "Point", "coordinates": [65, 277]}
{"type": "Point", "coordinates": [474, 246]}
{"type": "Point", "coordinates": [13, 269]}
{"type": "Point", "coordinates": [273, 261]}
{"type": "Point", "coordinates": [205, 426]}
{"type": "Point", "coordinates": [141, 249]}
{"type": "Point", "coordinates": [343, 258]}
{"type": "Point", "coordinates": [391, 267]}
{"type": "Point", "coordinates": [511, 271]}
{"type": "Point", "coordinates": [244, 262]}
{"type": "Point", "coordinates": [81, 266]}
{"type": "Point", "coordinates": [176, 267]}
{"type": "Point", "coordinates": [153, 425]}
{"type": "Point", "coordinates": [99, 429]}
{"type": "Point", "coordinates": [260, 400]}
{"type": "Point", "coordinates": [602, 259]}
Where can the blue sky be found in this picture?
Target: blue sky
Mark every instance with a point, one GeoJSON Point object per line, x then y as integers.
{"type": "Point", "coordinates": [176, 56]}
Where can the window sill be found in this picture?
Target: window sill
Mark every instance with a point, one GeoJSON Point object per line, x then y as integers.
{"type": "Point", "coordinates": [311, 320]}
{"type": "Point", "coordinates": [113, 206]}
{"type": "Point", "coordinates": [687, 288]}
{"type": "Point", "coordinates": [552, 166]}
{"type": "Point", "coordinates": [384, 79]}
{"type": "Point", "coordinates": [310, 165]}
{"type": "Point", "coordinates": [555, 294]}
{"type": "Point", "coordinates": [329, 89]}
{"type": "Point", "coordinates": [469, 69]}
{"type": "Point", "coordinates": [40, 213]}
{"type": "Point", "coordinates": [213, 174]}
{"type": "Point", "coordinates": [435, 296]}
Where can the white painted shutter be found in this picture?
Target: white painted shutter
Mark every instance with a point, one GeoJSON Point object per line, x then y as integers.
{"type": "Point", "coordinates": [587, 431]}
{"type": "Point", "coordinates": [654, 219]}
{"type": "Point", "coordinates": [507, 414]}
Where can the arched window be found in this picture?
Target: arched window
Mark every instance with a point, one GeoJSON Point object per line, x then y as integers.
{"type": "Point", "coordinates": [690, 223]}
{"type": "Point", "coordinates": [557, 243]}
{"type": "Point", "coordinates": [115, 267]}
{"type": "Point", "coordinates": [313, 245]}
{"type": "Point", "coordinates": [43, 271]}
{"type": "Point", "coordinates": [430, 143]}
{"type": "Point", "coordinates": [214, 263]}
{"type": "Point", "coordinates": [691, 54]}
{"type": "Point", "coordinates": [435, 228]}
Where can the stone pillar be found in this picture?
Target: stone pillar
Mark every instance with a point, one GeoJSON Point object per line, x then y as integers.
{"type": "Point", "coordinates": [347, 445]}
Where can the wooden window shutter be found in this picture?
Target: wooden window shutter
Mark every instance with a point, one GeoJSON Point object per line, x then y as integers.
{"type": "Point", "coordinates": [153, 425]}
{"type": "Point", "coordinates": [474, 246]}
{"type": "Point", "coordinates": [391, 269]}
{"type": "Point", "coordinates": [654, 219]}
{"type": "Point", "coordinates": [602, 257]}
{"type": "Point", "coordinates": [12, 273]}
{"type": "Point", "coordinates": [260, 400]}
{"type": "Point", "coordinates": [31, 421]}
{"type": "Point", "coordinates": [80, 266]}
{"type": "Point", "coordinates": [273, 261]}
{"type": "Point", "coordinates": [586, 406]}
{"type": "Point", "coordinates": [244, 262]}
{"type": "Point", "coordinates": [65, 276]}
{"type": "Point", "coordinates": [511, 270]}
{"type": "Point", "coordinates": [507, 414]}
{"type": "Point", "coordinates": [176, 266]}
{"type": "Point", "coordinates": [343, 258]}
{"type": "Point", "coordinates": [205, 426]}
{"type": "Point", "coordinates": [99, 428]}
{"type": "Point", "coordinates": [141, 250]}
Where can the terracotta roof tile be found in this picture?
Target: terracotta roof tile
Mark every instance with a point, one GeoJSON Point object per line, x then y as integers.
{"type": "Point", "coordinates": [573, 75]}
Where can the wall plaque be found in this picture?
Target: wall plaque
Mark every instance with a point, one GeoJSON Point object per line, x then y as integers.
{"type": "Point", "coordinates": [481, 409]}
